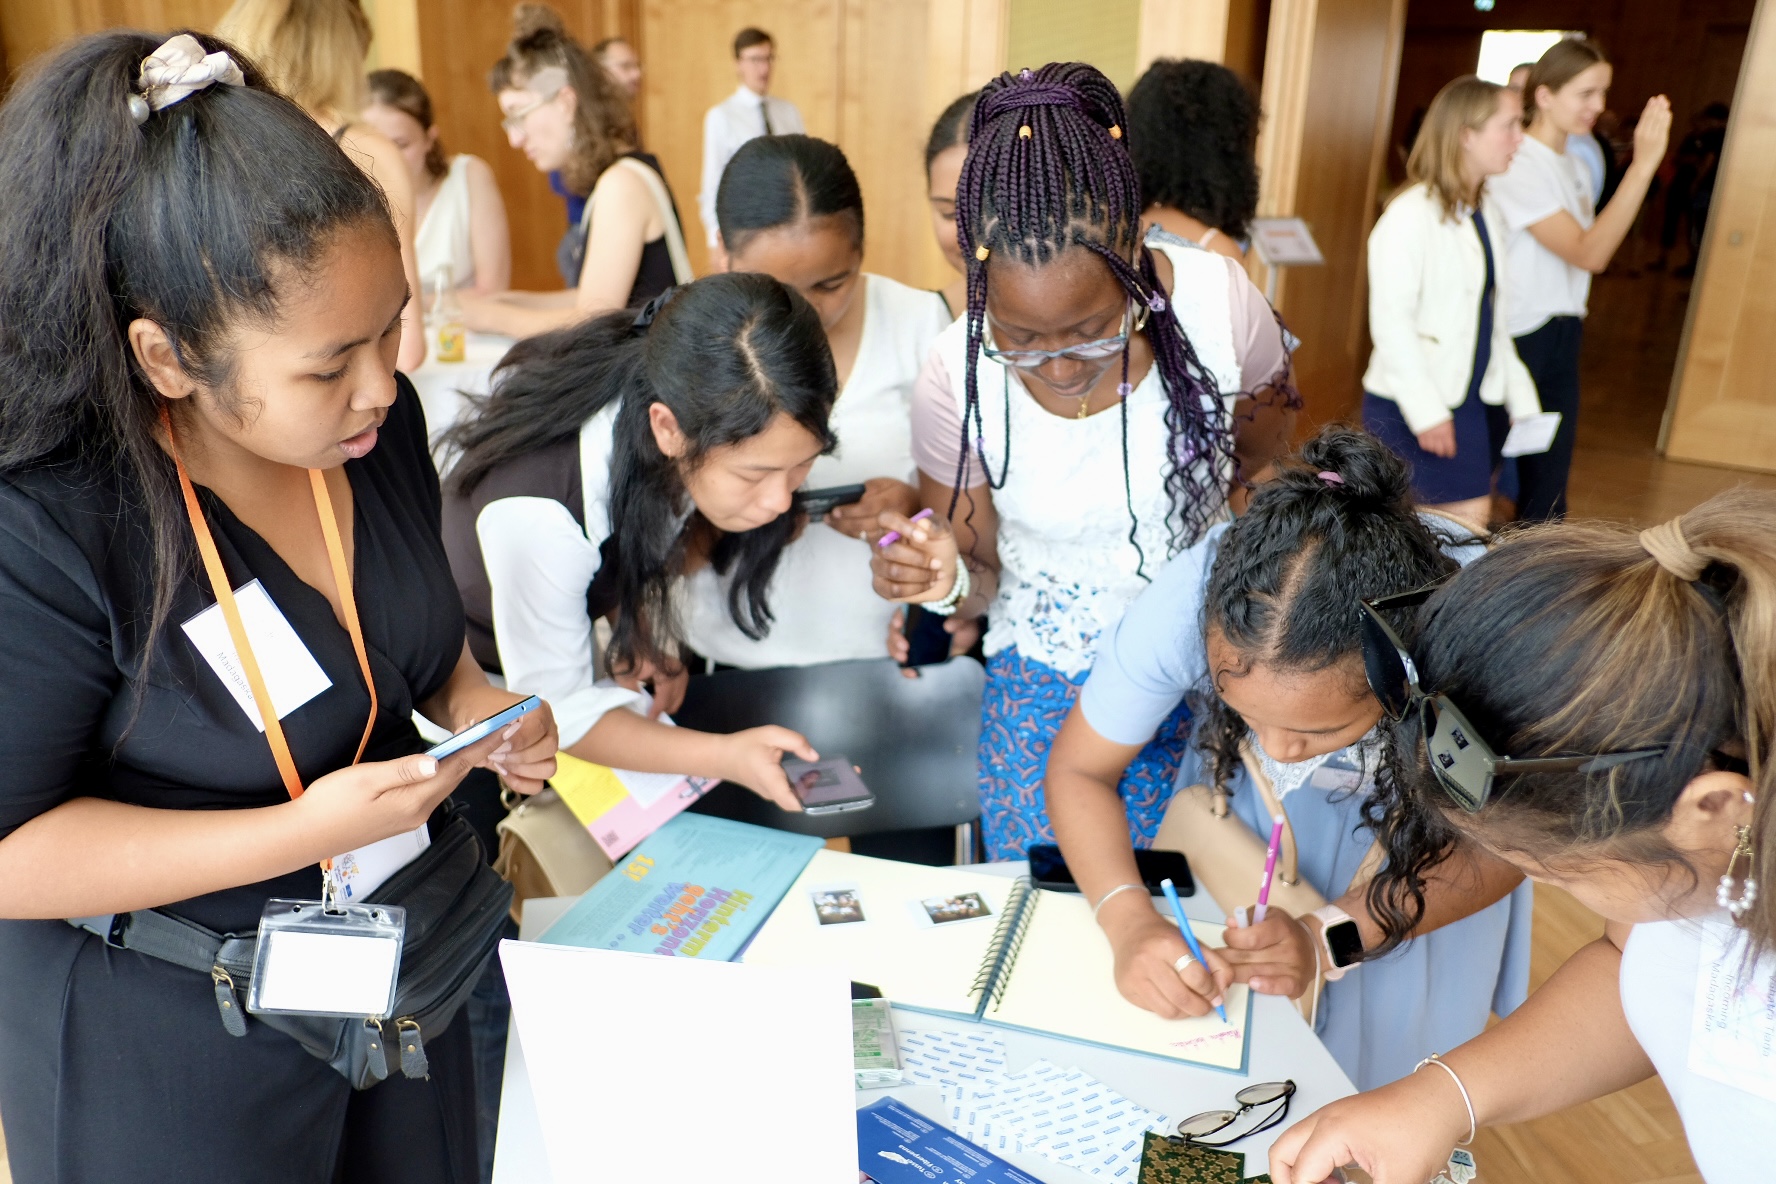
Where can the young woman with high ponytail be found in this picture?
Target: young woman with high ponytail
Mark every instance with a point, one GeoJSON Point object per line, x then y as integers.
{"type": "Point", "coordinates": [1064, 489]}
{"type": "Point", "coordinates": [1251, 627]}
{"type": "Point", "coordinates": [1596, 706]}
{"type": "Point", "coordinates": [201, 297]}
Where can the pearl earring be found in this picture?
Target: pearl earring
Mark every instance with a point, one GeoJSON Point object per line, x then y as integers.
{"type": "Point", "coordinates": [1741, 904]}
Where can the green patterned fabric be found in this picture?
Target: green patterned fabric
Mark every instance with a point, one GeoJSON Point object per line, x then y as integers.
{"type": "Point", "coordinates": [1164, 1161]}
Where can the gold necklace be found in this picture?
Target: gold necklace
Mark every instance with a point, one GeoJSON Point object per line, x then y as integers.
{"type": "Point", "coordinates": [1084, 404]}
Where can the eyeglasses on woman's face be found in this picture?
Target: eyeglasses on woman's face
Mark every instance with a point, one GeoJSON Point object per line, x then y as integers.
{"type": "Point", "coordinates": [513, 121]}
{"type": "Point", "coordinates": [1091, 351]}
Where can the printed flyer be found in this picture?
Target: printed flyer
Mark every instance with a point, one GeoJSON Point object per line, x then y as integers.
{"type": "Point", "coordinates": [699, 887]}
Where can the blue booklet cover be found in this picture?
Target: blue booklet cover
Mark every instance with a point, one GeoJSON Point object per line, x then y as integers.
{"type": "Point", "coordinates": [898, 1145]}
{"type": "Point", "coordinates": [697, 888]}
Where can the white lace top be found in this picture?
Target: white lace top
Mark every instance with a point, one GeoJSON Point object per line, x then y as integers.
{"type": "Point", "coordinates": [1068, 566]}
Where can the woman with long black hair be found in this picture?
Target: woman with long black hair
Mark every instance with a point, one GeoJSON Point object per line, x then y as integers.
{"type": "Point", "coordinates": [205, 366]}
{"type": "Point", "coordinates": [612, 460]}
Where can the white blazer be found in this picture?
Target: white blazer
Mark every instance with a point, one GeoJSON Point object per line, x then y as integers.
{"type": "Point", "coordinates": [1426, 274]}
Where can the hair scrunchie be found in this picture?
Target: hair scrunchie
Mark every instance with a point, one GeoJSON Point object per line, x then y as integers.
{"type": "Point", "coordinates": [644, 320]}
{"type": "Point", "coordinates": [1671, 551]}
{"type": "Point", "coordinates": [176, 71]}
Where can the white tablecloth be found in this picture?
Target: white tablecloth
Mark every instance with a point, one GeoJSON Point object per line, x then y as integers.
{"type": "Point", "coordinates": [445, 387]}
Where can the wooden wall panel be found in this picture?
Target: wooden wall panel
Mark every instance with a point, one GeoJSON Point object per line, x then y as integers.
{"type": "Point", "coordinates": [28, 27]}
{"type": "Point", "coordinates": [1724, 396]}
{"type": "Point", "coordinates": [1195, 30]}
{"type": "Point", "coordinates": [1330, 68]}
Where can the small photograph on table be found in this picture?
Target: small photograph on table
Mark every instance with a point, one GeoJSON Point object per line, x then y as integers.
{"type": "Point", "coordinates": [947, 910]}
{"type": "Point", "coordinates": [837, 904]}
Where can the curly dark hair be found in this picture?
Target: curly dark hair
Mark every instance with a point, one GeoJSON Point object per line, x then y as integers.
{"type": "Point", "coordinates": [1192, 129]}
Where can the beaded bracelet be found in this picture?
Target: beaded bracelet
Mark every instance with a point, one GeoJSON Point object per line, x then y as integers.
{"type": "Point", "coordinates": [958, 592]}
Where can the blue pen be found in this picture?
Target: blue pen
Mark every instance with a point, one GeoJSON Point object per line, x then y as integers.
{"type": "Point", "coordinates": [1196, 950]}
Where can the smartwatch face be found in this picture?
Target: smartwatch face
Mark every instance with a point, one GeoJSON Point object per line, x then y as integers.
{"type": "Point", "coordinates": [1345, 942]}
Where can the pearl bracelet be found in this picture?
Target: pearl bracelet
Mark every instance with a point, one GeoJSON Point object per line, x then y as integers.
{"type": "Point", "coordinates": [958, 592]}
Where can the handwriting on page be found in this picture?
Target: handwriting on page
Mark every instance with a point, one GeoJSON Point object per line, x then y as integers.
{"type": "Point", "coordinates": [1212, 1040]}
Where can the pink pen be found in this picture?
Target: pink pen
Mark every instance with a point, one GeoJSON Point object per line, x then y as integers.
{"type": "Point", "coordinates": [893, 536]}
{"type": "Point", "coordinates": [1270, 867]}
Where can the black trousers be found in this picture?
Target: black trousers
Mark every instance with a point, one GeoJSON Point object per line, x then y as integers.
{"type": "Point", "coordinates": [115, 1067]}
{"type": "Point", "coordinates": [1551, 354]}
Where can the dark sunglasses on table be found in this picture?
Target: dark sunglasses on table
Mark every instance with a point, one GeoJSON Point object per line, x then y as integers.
{"type": "Point", "coordinates": [1463, 763]}
{"type": "Point", "coordinates": [1091, 351]}
{"type": "Point", "coordinates": [1270, 1099]}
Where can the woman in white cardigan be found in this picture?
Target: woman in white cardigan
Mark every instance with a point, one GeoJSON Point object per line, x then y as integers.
{"type": "Point", "coordinates": [1444, 382]}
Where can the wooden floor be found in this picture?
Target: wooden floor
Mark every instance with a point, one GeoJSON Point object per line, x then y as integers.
{"type": "Point", "coordinates": [1632, 1137]}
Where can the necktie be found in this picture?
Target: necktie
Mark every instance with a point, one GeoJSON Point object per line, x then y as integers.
{"type": "Point", "coordinates": [765, 115]}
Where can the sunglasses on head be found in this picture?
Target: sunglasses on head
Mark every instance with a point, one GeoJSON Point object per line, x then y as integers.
{"type": "Point", "coordinates": [1463, 763]}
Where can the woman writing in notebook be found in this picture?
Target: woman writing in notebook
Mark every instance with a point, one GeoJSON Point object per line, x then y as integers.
{"type": "Point", "coordinates": [612, 461]}
{"type": "Point", "coordinates": [789, 207]}
{"type": "Point", "coordinates": [1083, 423]}
{"type": "Point", "coordinates": [1250, 625]}
{"type": "Point", "coordinates": [231, 415]}
{"type": "Point", "coordinates": [562, 110]}
{"type": "Point", "coordinates": [1538, 722]}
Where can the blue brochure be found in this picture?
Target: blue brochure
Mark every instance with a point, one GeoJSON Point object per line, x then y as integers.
{"type": "Point", "coordinates": [898, 1145]}
{"type": "Point", "coordinates": [697, 888]}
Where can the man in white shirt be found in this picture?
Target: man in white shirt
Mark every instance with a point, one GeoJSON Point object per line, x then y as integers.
{"type": "Point", "coordinates": [750, 111]}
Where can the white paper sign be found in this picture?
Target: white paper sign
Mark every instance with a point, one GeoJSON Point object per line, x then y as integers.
{"type": "Point", "coordinates": [1532, 435]}
{"type": "Point", "coordinates": [292, 676]}
{"type": "Point", "coordinates": [326, 972]}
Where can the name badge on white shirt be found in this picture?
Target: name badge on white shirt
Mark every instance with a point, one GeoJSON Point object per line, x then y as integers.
{"type": "Point", "coordinates": [357, 874]}
{"type": "Point", "coordinates": [292, 676]}
{"type": "Point", "coordinates": [1733, 1031]}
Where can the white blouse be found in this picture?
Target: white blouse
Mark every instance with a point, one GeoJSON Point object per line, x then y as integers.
{"type": "Point", "coordinates": [1068, 568]}
{"type": "Point", "coordinates": [820, 595]}
{"type": "Point", "coordinates": [443, 236]}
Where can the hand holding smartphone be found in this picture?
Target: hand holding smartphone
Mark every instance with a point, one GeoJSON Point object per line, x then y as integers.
{"type": "Point", "coordinates": [829, 786]}
{"type": "Point", "coordinates": [475, 733]}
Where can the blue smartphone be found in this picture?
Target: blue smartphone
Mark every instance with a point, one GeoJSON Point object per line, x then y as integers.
{"type": "Point", "coordinates": [483, 730]}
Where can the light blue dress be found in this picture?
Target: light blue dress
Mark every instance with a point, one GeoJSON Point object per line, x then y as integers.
{"type": "Point", "coordinates": [1383, 1017]}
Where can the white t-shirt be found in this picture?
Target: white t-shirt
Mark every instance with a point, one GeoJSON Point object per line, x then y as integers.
{"type": "Point", "coordinates": [1540, 183]}
{"type": "Point", "coordinates": [443, 237]}
{"type": "Point", "coordinates": [1711, 1033]}
{"type": "Point", "coordinates": [825, 607]}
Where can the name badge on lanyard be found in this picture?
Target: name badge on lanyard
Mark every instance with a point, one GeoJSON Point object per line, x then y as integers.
{"type": "Point", "coordinates": [1733, 1029]}
{"type": "Point", "coordinates": [314, 957]}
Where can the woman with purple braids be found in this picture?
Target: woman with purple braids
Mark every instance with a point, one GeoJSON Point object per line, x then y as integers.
{"type": "Point", "coordinates": [1085, 421]}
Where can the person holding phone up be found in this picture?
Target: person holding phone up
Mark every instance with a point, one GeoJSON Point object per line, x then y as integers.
{"type": "Point", "coordinates": [204, 397]}
{"type": "Point", "coordinates": [1254, 626]}
{"type": "Point", "coordinates": [789, 207]}
{"type": "Point", "coordinates": [613, 460]}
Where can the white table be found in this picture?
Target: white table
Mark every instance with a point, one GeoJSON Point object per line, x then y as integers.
{"type": "Point", "coordinates": [445, 387]}
{"type": "Point", "coordinates": [1281, 1046]}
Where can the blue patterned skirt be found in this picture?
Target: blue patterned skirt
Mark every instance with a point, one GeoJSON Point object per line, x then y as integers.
{"type": "Point", "coordinates": [1022, 709]}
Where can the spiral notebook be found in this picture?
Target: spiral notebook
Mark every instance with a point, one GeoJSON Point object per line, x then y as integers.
{"type": "Point", "coordinates": [1035, 962]}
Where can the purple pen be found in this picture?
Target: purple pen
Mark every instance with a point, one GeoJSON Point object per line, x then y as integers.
{"type": "Point", "coordinates": [893, 536]}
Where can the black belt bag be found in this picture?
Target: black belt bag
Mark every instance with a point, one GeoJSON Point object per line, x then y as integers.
{"type": "Point", "coordinates": [456, 911]}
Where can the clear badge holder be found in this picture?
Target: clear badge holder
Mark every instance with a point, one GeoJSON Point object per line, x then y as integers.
{"type": "Point", "coordinates": [327, 958]}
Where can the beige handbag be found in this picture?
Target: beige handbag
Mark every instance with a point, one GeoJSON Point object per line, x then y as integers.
{"type": "Point", "coordinates": [1227, 859]}
{"type": "Point", "coordinates": [545, 851]}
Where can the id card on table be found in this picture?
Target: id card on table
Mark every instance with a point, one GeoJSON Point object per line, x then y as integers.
{"type": "Point", "coordinates": [315, 961]}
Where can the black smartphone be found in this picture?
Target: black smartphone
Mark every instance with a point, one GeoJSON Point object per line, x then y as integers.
{"type": "Point", "coordinates": [1050, 871]}
{"type": "Point", "coordinates": [928, 642]}
{"type": "Point", "coordinates": [816, 502]}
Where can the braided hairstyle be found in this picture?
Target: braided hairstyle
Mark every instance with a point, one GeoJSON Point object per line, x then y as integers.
{"type": "Point", "coordinates": [1048, 170]}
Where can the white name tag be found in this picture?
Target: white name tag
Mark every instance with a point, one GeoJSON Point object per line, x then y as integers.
{"type": "Point", "coordinates": [359, 873]}
{"type": "Point", "coordinates": [292, 676]}
{"type": "Point", "coordinates": [1733, 1030]}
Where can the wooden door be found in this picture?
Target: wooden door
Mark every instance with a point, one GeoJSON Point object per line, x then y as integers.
{"type": "Point", "coordinates": [1723, 407]}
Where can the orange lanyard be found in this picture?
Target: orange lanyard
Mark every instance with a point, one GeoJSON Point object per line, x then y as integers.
{"type": "Point", "coordinates": [206, 546]}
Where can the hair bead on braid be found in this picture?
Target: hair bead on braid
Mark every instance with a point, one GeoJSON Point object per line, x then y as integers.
{"type": "Point", "coordinates": [1048, 169]}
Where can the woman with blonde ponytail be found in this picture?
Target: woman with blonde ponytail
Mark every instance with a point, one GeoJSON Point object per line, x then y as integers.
{"type": "Point", "coordinates": [1596, 706]}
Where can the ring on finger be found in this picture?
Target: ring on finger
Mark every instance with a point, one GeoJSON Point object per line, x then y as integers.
{"type": "Point", "coordinates": [1183, 961]}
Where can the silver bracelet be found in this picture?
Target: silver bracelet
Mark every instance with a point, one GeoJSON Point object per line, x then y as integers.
{"type": "Point", "coordinates": [1473, 1125]}
{"type": "Point", "coordinates": [1105, 899]}
{"type": "Point", "coordinates": [958, 592]}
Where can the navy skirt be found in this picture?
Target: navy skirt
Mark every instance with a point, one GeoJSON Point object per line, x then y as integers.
{"type": "Point", "coordinates": [1480, 431]}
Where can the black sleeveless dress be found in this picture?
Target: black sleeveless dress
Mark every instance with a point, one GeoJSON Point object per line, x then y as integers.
{"type": "Point", "coordinates": [655, 273]}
